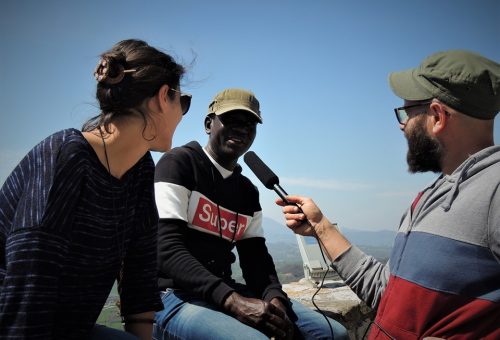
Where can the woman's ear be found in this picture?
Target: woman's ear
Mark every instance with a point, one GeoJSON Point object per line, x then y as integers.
{"type": "Point", "coordinates": [163, 93]}
{"type": "Point", "coordinates": [163, 99]}
{"type": "Point", "coordinates": [159, 101]}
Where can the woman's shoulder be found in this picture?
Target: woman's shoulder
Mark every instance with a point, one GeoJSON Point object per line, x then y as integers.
{"type": "Point", "coordinates": [57, 144]}
{"type": "Point", "coordinates": [65, 135]}
{"type": "Point", "coordinates": [66, 147]}
{"type": "Point", "coordinates": [63, 138]}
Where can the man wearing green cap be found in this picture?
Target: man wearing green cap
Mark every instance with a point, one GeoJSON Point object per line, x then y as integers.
{"type": "Point", "coordinates": [443, 276]}
{"type": "Point", "coordinates": [207, 208]}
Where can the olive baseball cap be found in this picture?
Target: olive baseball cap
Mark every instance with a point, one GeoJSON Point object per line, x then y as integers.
{"type": "Point", "coordinates": [235, 99]}
{"type": "Point", "coordinates": [464, 80]}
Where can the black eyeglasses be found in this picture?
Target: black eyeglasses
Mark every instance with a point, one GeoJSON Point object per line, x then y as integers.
{"type": "Point", "coordinates": [401, 112]}
{"type": "Point", "coordinates": [185, 99]}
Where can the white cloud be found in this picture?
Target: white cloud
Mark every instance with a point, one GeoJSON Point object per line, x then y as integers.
{"type": "Point", "coordinates": [326, 184]}
{"type": "Point", "coordinates": [396, 194]}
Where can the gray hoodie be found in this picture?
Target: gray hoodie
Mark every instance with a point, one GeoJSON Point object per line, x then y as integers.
{"type": "Point", "coordinates": [450, 243]}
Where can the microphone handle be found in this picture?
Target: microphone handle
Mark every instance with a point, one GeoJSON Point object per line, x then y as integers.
{"type": "Point", "coordinates": [282, 194]}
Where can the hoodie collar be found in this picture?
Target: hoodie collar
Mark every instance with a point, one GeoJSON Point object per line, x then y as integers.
{"type": "Point", "coordinates": [472, 165]}
{"type": "Point", "coordinates": [225, 173]}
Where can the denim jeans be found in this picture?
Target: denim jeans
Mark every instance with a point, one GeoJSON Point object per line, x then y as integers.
{"type": "Point", "coordinates": [186, 317]}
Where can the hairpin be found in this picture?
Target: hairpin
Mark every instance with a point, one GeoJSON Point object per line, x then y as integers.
{"type": "Point", "coordinates": [101, 72]}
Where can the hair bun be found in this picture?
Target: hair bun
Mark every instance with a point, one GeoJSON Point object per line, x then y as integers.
{"type": "Point", "coordinates": [107, 73]}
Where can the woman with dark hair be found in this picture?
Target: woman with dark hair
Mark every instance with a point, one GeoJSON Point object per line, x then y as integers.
{"type": "Point", "coordinates": [78, 212]}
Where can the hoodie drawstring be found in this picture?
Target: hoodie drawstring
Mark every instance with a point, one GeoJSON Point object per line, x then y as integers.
{"type": "Point", "coordinates": [454, 190]}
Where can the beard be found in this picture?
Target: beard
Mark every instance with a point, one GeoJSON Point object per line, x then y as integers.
{"type": "Point", "coordinates": [424, 152]}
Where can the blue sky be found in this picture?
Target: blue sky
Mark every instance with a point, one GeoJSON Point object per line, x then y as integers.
{"type": "Point", "coordinates": [319, 69]}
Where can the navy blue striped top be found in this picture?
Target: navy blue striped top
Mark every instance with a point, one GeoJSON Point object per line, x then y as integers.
{"type": "Point", "coordinates": [68, 229]}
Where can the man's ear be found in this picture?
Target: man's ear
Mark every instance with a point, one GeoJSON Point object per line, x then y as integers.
{"type": "Point", "coordinates": [208, 124]}
{"type": "Point", "coordinates": [439, 117]}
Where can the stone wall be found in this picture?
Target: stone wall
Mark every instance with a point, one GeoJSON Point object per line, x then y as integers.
{"type": "Point", "coordinates": [337, 301]}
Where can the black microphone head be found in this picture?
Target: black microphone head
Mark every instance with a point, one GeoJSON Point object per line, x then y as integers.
{"type": "Point", "coordinates": [262, 171]}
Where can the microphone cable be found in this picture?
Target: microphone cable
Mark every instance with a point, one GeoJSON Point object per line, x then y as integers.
{"type": "Point", "coordinates": [271, 181]}
{"type": "Point", "coordinates": [324, 275]}
{"type": "Point", "coordinates": [373, 322]}
{"type": "Point", "coordinates": [321, 286]}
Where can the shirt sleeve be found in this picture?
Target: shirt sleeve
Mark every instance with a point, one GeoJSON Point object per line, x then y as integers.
{"type": "Point", "coordinates": [34, 260]}
{"type": "Point", "coordinates": [494, 224]}
{"type": "Point", "coordinates": [177, 263]}
{"type": "Point", "coordinates": [363, 274]}
{"type": "Point", "coordinates": [138, 279]}
{"type": "Point", "coordinates": [138, 285]}
{"type": "Point", "coordinates": [258, 269]}
{"type": "Point", "coordinates": [256, 263]}
{"type": "Point", "coordinates": [35, 202]}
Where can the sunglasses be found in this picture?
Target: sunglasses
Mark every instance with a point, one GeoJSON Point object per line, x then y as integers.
{"type": "Point", "coordinates": [185, 99]}
{"type": "Point", "coordinates": [403, 115]}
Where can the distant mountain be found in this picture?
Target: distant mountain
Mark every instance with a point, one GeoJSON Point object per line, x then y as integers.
{"type": "Point", "coordinates": [377, 238]}
{"type": "Point", "coordinates": [283, 247]}
{"type": "Point", "coordinates": [280, 233]}
{"type": "Point", "coordinates": [276, 232]}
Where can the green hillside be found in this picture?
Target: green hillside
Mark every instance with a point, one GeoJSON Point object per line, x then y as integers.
{"type": "Point", "coordinates": [110, 314]}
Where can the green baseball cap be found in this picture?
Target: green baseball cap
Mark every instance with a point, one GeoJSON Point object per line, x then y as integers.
{"type": "Point", "coordinates": [466, 81]}
{"type": "Point", "coordinates": [235, 99]}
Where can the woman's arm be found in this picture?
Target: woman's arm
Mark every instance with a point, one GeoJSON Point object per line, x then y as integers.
{"type": "Point", "coordinates": [141, 324]}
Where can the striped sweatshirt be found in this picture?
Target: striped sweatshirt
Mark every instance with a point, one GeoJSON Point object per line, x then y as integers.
{"type": "Point", "coordinates": [205, 212]}
{"type": "Point", "coordinates": [443, 276]}
{"type": "Point", "coordinates": [68, 230]}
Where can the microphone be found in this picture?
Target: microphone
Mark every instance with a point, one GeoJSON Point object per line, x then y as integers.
{"type": "Point", "coordinates": [271, 181]}
{"type": "Point", "coordinates": [264, 174]}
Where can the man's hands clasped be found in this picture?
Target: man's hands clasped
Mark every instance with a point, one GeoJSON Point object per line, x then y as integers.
{"type": "Point", "coordinates": [268, 317]}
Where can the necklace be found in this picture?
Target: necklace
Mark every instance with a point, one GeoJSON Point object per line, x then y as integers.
{"type": "Point", "coordinates": [219, 224]}
{"type": "Point", "coordinates": [105, 150]}
{"type": "Point", "coordinates": [119, 234]}
{"type": "Point", "coordinates": [235, 231]}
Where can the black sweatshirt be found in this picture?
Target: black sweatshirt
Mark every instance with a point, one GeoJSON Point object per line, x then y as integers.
{"type": "Point", "coordinates": [195, 240]}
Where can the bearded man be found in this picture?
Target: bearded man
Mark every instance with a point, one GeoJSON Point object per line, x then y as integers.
{"type": "Point", "coordinates": [443, 276]}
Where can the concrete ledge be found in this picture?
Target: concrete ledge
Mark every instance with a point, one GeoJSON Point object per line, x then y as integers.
{"type": "Point", "coordinates": [337, 301]}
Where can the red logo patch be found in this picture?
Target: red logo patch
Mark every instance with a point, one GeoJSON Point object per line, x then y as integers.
{"type": "Point", "coordinates": [206, 217]}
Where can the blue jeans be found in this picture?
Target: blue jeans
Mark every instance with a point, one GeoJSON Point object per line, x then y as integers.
{"type": "Point", "coordinates": [186, 317]}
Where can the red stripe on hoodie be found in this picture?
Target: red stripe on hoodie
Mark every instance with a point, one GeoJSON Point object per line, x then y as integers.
{"type": "Point", "coordinates": [416, 312]}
